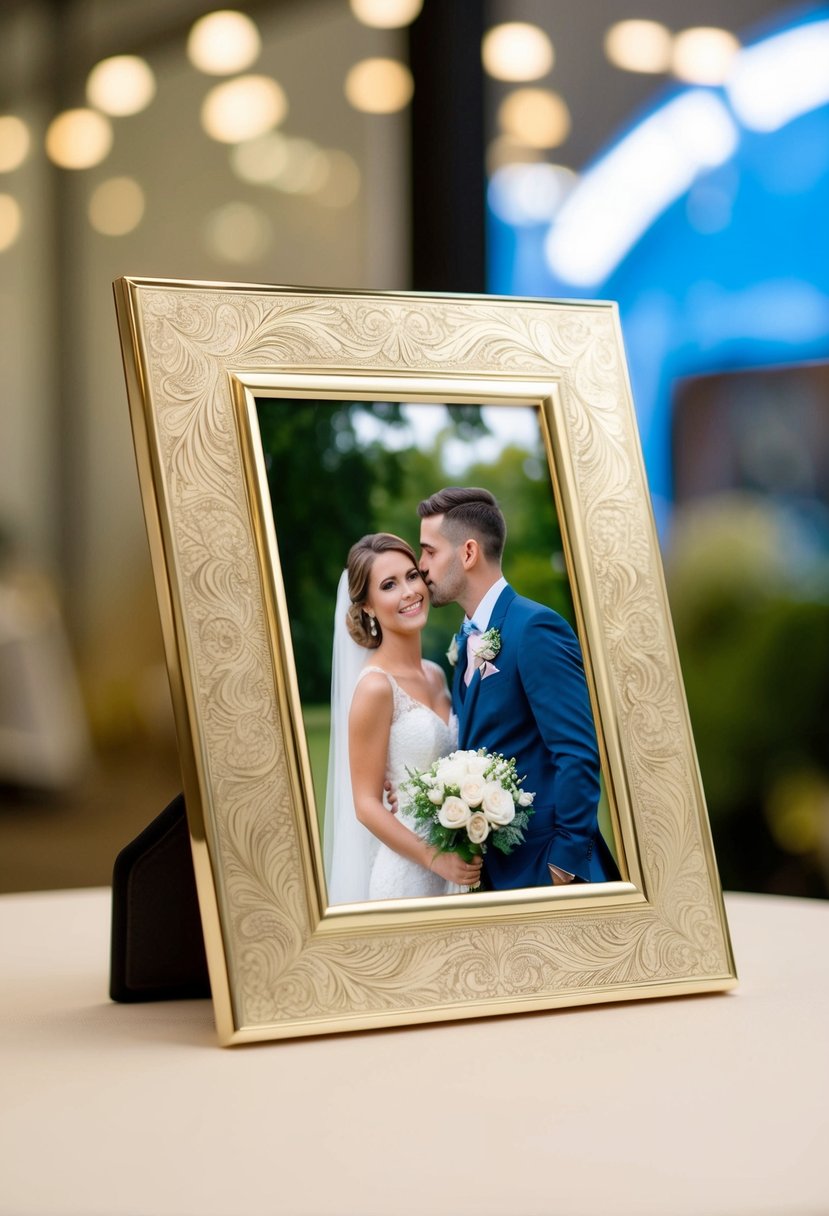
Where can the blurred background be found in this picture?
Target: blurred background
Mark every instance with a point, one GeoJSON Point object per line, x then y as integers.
{"type": "Point", "coordinates": [601, 150]}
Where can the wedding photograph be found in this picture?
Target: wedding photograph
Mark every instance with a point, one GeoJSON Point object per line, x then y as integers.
{"type": "Point", "coordinates": [404, 602]}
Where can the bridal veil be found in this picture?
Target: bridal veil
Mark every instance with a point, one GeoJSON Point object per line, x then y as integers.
{"type": "Point", "coordinates": [348, 847]}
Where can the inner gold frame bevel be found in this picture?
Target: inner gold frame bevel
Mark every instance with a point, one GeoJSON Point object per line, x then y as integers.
{"type": "Point", "coordinates": [281, 963]}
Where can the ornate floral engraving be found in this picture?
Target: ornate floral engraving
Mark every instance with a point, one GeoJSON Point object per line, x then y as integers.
{"type": "Point", "coordinates": [283, 971]}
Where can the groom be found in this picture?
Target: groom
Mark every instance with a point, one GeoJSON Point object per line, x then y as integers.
{"type": "Point", "coordinates": [520, 690]}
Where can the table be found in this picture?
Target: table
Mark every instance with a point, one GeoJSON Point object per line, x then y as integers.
{"type": "Point", "coordinates": [700, 1105]}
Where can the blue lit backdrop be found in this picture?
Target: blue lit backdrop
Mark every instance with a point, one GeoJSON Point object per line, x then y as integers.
{"type": "Point", "coordinates": [706, 219]}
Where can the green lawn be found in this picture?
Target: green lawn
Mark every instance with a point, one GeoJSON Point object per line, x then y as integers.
{"type": "Point", "coordinates": [317, 720]}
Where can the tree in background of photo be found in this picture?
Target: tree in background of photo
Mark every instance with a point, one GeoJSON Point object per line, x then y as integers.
{"type": "Point", "coordinates": [322, 483]}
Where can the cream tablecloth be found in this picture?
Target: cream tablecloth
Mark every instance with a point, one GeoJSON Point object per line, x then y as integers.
{"type": "Point", "coordinates": [700, 1105]}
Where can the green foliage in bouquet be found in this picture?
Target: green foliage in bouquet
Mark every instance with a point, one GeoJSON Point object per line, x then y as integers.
{"type": "Point", "coordinates": [468, 800]}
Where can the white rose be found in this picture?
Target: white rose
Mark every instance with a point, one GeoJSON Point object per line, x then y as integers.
{"type": "Point", "coordinates": [525, 799]}
{"type": "Point", "coordinates": [437, 795]}
{"type": "Point", "coordinates": [454, 813]}
{"type": "Point", "coordinates": [451, 771]}
{"type": "Point", "coordinates": [472, 790]}
{"type": "Point", "coordinates": [497, 804]}
{"type": "Point", "coordinates": [477, 829]}
{"type": "Point", "coordinates": [477, 765]}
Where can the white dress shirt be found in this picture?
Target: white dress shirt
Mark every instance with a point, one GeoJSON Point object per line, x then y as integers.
{"type": "Point", "coordinates": [483, 613]}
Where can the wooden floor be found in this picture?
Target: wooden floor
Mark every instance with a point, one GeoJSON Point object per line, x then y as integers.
{"type": "Point", "coordinates": [72, 839]}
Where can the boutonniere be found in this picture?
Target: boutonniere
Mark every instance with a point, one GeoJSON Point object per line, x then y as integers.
{"type": "Point", "coordinates": [452, 652]}
{"type": "Point", "coordinates": [488, 645]}
{"type": "Point", "coordinates": [484, 649]}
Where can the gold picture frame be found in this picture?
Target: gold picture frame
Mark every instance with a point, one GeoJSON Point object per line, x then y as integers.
{"type": "Point", "coordinates": [282, 963]}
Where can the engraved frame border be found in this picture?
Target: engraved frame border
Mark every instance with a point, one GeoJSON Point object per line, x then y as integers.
{"type": "Point", "coordinates": [280, 963]}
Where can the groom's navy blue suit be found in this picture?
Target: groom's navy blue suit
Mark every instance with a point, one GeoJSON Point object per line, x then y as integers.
{"type": "Point", "coordinates": [536, 708]}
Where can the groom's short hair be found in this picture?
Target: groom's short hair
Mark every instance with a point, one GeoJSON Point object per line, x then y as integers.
{"type": "Point", "coordinates": [469, 510]}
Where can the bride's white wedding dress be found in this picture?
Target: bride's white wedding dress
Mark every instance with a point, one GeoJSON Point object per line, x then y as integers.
{"type": "Point", "coordinates": [417, 738]}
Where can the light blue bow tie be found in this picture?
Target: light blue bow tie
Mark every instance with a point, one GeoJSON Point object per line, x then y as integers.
{"type": "Point", "coordinates": [468, 627]}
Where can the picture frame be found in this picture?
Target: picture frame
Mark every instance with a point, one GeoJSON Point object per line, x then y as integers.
{"type": "Point", "coordinates": [282, 962]}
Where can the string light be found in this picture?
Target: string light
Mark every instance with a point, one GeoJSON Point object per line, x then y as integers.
{"type": "Point", "coordinates": [121, 85]}
{"type": "Point", "coordinates": [116, 206]}
{"type": "Point", "coordinates": [639, 46]}
{"type": "Point", "coordinates": [704, 55]}
{"type": "Point", "coordinates": [243, 108]}
{"type": "Point", "coordinates": [260, 160]}
{"type": "Point", "coordinates": [386, 14]}
{"type": "Point", "coordinates": [14, 142]}
{"type": "Point", "coordinates": [517, 51]}
{"type": "Point", "coordinates": [78, 139]}
{"type": "Point", "coordinates": [223, 42]}
{"type": "Point", "coordinates": [238, 232]}
{"type": "Point", "coordinates": [538, 118]}
{"type": "Point", "coordinates": [379, 86]}
{"type": "Point", "coordinates": [11, 221]}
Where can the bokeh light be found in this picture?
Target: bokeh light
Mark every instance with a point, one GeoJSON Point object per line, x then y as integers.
{"type": "Point", "coordinates": [122, 85]}
{"type": "Point", "coordinates": [704, 55]}
{"type": "Point", "coordinates": [538, 118]}
{"type": "Point", "coordinates": [78, 139]}
{"type": "Point", "coordinates": [639, 46]}
{"type": "Point", "coordinates": [238, 232]}
{"type": "Point", "coordinates": [14, 142]}
{"type": "Point", "coordinates": [379, 86]}
{"type": "Point", "coordinates": [223, 42]}
{"type": "Point", "coordinates": [386, 14]}
{"type": "Point", "coordinates": [305, 169]}
{"type": "Point", "coordinates": [297, 166]}
{"type": "Point", "coordinates": [243, 108]}
{"type": "Point", "coordinates": [517, 51]}
{"type": "Point", "coordinates": [506, 150]}
{"type": "Point", "coordinates": [526, 194]}
{"type": "Point", "coordinates": [262, 159]}
{"type": "Point", "coordinates": [116, 206]}
{"type": "Point", "coordinates": [11, 221]}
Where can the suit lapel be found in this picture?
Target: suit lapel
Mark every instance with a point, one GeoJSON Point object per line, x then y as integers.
{"type": "Point", "coordinates": [469, 694]}
{"type": "Point", "coordinates": [458, 685]}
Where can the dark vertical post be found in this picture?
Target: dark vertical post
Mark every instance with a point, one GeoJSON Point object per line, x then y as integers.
{"type": "Point", "coordinates": [447, 116]}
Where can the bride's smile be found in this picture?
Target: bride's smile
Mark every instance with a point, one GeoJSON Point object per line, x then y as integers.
{"type": "Point", "coordinates": [413, 608]}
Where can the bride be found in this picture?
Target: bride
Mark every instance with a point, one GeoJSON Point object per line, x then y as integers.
{"type": "Point", "coordinates": [390, 712]}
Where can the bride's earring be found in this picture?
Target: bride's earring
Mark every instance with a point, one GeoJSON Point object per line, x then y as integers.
{"type": "Point", "coordinates": [373, 626]}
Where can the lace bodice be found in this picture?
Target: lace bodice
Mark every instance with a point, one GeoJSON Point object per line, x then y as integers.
{"type": "Point", "coordinates": [417, 738]}
{"type": "Point", "coordinates": [418, 735]}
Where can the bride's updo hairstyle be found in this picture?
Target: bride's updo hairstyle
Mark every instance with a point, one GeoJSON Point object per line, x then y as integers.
{"type": "Point", "coordinates": [361, 558]}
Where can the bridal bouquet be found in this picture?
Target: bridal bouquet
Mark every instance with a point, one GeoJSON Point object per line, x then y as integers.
{"type": "Point", "coordinates": [468, 800]}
